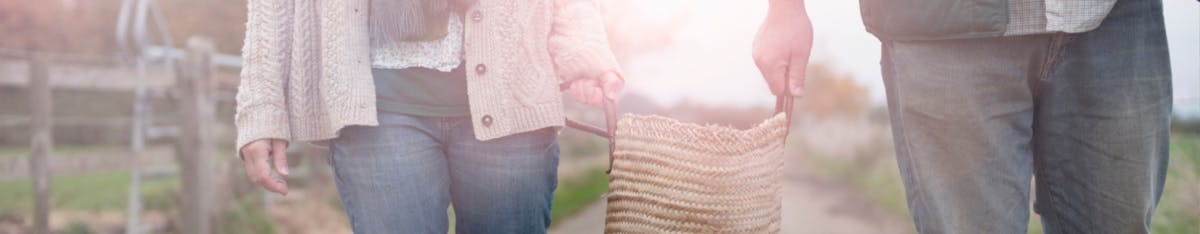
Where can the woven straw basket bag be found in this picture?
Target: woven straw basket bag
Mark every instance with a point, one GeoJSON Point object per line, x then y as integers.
{"type": "Point", "coordinates": [667, 176]}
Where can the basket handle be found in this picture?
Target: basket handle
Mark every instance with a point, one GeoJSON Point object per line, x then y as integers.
{"type": "Point", "coordinates": [610, 122]}
{"type": "Point", "coordinates": [783, 104]}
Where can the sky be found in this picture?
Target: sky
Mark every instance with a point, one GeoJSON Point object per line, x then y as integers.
{"type": "Point", "coordinates": [709, 60]}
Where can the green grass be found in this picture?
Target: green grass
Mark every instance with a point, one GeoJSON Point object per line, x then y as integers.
{"type": "Point", "coordinates": [880, 184]}
{"type": "Point", "coordinates": [1035, 224]}
{"type": "Point", "coordinates": [13, 151]}
{"type": "Point", "coordinates": [1185, 148]}
{"type": "Point", "coordinates": [1179, 208]}
{"type": "Point", "coordinates": [579, 144]}
{"type": "Point", "coordinates": [246, 216]}
{"type": "Point", "coordinates": [78, 227]}
{"type": "Point", "coordinates": [575, 194]}
{"type": "Point", "coordinates": [90, 192]}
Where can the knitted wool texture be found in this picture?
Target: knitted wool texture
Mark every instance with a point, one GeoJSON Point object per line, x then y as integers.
{"type": "Point", "coordinates": [307, 66]}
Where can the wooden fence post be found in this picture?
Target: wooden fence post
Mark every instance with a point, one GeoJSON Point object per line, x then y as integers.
{"type": "Point", "coordinates": [42, 141]}
{"type": "Point", "coordinates": [137, 145]}
{"type": "Point", "coordinates": [194, 148]}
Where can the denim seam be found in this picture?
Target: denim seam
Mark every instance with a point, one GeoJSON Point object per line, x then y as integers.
{"type": "Point", "coordinates": [1060, 52]}
{"type": "Point", "coordinates": [1053, 53]}
{"type": "Point", "coordinates": [1051, 210]}
{"type": "Point", "coordinates": [337, 178]}
{"type": "Point", "coordinates": [912, 165]}
{"type": "Point", "coordinates": [443, 130]}
{"type": "Point", "coordinates": [1056, 51]}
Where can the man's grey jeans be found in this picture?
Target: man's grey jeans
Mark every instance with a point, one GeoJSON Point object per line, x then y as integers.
{"type": "Point", "coordinates": [1087, 115]}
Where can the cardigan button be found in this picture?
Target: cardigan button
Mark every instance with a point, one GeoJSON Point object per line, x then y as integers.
{"type": "Point", "coordinates": [480, 69]}
{"type": "Point", "coordinates": [477, 16]}
{"type": "Point", "coordinates": [486, 120]}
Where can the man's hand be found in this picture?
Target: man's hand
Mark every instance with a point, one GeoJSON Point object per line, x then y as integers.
{"type": "Point", "coordinates": [594, 91]}
{"type": "Point", "coordinates": [783, 45]}
{"type": "Point", "coordinates": [257, 158]}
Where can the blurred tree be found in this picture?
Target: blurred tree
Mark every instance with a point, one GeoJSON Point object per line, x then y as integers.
{"type": "Point", "coordinates": [629, 34]}
{"type": "Point", "coordinates": [222, 21]}
{"type": "Point", "coordinates": [831, 93]}
{"type": "Point", "coordinates": [629, 37]}
{"type": "Point", "coordinates": [52, 26]}
{"type": "Point", "coordinates": [86, 27]}
{"type": "Point", "coordinates": [742, 117]}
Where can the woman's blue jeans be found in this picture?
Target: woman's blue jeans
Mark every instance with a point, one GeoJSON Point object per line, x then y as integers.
{"type": "Point", "coordinates": [401, 176]}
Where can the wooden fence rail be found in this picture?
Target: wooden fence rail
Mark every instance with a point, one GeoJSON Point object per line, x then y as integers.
{"type": "Point", "coordinates": [192, 78]}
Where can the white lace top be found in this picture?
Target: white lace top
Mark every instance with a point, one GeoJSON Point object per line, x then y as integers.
{"type": "Point", "coordinates": [442, 55]}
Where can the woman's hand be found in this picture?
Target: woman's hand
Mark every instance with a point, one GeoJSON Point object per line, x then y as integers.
{"type": "Point", "coordinates": [595, 91]}
{"type": "Point", "coordinates": [257, 159]}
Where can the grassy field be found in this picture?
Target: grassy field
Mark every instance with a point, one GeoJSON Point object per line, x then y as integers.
{"type": "Point", "coordinates": [64, 150]}
{"type": "Point", "coordinates": [879, 181]}
{"type": "Point", "coordinates": [1178, 210]}
{"type": "Point", "coordinates": [575, 194]}
{"type": "Point", "coordinates": [100, 191]}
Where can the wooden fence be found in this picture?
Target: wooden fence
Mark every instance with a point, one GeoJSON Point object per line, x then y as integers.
{"type": "Point", "coordinates": [191, 78]}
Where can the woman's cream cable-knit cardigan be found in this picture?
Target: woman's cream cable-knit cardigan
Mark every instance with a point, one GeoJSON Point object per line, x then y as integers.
{"type": "Point", "coordinates": [307, 71]}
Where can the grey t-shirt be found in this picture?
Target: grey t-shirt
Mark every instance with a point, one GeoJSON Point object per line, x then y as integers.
{"type": "Point", "coordinates": [422, 92]}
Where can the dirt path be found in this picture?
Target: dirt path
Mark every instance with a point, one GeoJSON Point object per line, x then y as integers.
{"type": "Point", "coordinates": [815, 205]}
{"type": "Point", "coordinates": [311, 215]}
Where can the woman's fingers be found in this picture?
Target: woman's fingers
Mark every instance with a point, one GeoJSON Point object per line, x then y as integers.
{"type": "Point", "coordinates": [279, 153]}
{"type": "Point", "coordinates": [584, 91]}
{"type": "Point", "coordinates": [256, 160]}
{"type": "Point", "coordinates": [594, 95]}
{"type": "Point", "coordinates": [595, 91]}
{"type": "Point", "coordinates": [613, 84]}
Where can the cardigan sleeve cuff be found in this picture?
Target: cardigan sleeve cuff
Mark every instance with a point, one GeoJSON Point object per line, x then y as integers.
{"type": "Point", "coordinates": [260, 125]}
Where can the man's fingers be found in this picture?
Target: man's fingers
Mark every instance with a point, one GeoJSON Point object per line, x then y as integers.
{"type": "Point", "coordinates": [774, 73]}
{"type": "Point", "coordinates": [771, 63]}
{"type": "Point", "coordinates": [796, 72]}
{"type": "Point", "coordinates": [279, 153]}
